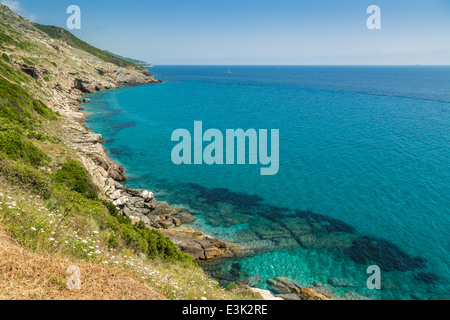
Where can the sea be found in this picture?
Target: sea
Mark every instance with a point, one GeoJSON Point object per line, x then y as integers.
{"type": "Point", "coordinates": [363, 180]}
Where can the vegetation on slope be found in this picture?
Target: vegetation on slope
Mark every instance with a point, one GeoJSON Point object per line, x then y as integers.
{"type": "Point", "coordinates": [48, 202]}
{"type": "Point", "coordinates": [29, 276]}
{"type": "Point", "coordinates": [64, 35]}
{"type": "Point", "coordinates": [21, 117]}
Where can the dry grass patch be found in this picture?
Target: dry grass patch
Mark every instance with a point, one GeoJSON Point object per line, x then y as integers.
{"type": "Point", "coordinates": [28, 276]}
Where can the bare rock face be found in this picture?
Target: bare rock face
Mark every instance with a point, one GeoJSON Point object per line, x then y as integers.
{"type": "Point", "coordinates": [198, 246]}
{"type": "Point", "coordinates": [115, 171]}
{"type": "Point", "coordinates": [31, 71]}
{"type": "Point", "coordinates": [141, 205]}
{"type": "Point", "coordinates": [65, 75]}
{"type": "Point", "coordinates": [127, 77]}
{"type": "Point", "coordinates": [84, 86]}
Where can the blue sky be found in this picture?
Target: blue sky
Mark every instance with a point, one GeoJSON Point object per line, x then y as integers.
{"type": "Point", "coordinates": [277, 32]}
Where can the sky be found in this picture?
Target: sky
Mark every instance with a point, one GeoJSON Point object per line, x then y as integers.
{"type": "Point", "coordinates": [257, 32]}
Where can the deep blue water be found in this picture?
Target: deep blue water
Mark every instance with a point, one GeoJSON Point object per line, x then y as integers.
{"type": "Point", "coordinates": [364, 169]}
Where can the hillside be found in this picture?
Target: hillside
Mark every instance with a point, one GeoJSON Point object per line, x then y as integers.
{"type": "Point", "coordinates": [138, 62]}
{"type": "Point", "coordinates": [67, 37]}
{"type": "Point", "coordinates": [57, 184]}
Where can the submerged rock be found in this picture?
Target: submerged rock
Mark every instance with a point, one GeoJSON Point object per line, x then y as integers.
{"type": "Point", "coordinates": [252, 281]}
{"type": "Point", "coordinates": [185, 217]}
{"type": "Point", "coordinates": [385, 254]}
{"type": "Point", "coordinates": [352, 295]}
{"type": "Point", "coordinates": [426, 277]}
{"type": "Point", "coordinates": [283, 286]}
{"type": "Point", "coordinates": [340, 282]}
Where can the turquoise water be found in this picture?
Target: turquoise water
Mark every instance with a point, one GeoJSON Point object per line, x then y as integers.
{"type": "Point", "coordinates": [364, 169]}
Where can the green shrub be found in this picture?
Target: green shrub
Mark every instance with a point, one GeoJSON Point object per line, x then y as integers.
{"type": "Point", "coordinates": [160, 246]}
{"type": "Point", "coordinates": [12, 144]}
{"type": "Point", "coordinates": [6, 57]}
{"type": "Point", "coordinates": [231, 287]}
{"type": "Point", "coordinates": [17, 106]}
{"type": "Point", "coordinates": [140, 238]}
{"type": "Point", "coordinates": [6, 39]}
{"type": "Point", "coordinates": [76, 178]}
{"type": "Point", "coordinates": [23, 175]}
{"type": "Point", "coordinates": [43, 110]}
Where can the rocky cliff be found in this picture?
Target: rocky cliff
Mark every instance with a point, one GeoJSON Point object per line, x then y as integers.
{"type": "Point", "coordinates": [63, 69]}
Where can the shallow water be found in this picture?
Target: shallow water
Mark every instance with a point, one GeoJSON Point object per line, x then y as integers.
{"type": "Point", "coordinates": [364, 169]}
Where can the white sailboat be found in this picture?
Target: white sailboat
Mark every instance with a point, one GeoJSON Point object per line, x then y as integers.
{"type": "Point", "coordinates": [229, 72]}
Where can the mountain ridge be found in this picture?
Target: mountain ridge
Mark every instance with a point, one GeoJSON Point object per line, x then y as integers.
{"type": "Point", "coordinates": [137, 62]}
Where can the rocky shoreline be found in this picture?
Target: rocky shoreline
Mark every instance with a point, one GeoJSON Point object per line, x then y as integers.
{"type": "Point", "coordinates": [139, 205]}
{"type": "Point", "coordinates": [62, 76]}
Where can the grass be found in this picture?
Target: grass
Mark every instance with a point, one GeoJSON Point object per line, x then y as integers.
{"type": "Point", "coordinates": [25, 275]}
{"type": "Point", "coordinates": [68, 188]}
{"type": "Point", "coordinates": [16, 147]}
{"type": "Point", "coordinates": [46, 233]}
{"type": "Point", "coordinates": [54, 213]}
{"type": "Point", "coordinates": [76, 178]}
{"type": "Point", "coordinates": [12, 74]}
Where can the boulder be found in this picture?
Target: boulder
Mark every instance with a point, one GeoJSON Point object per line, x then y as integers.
{"type": "Point", "coordinates": [185, 217]}
{"type": "Point", "coordinates": [199, 247]}
{"type": "Point", "coordinates": [176, 222]}
{"type": "Point", "coordinates": [135, 220]}
{"type": "Point", "coordinates": [151, 205]}
{"type": "Point", "coordinates": [311, 294]}
{"type": "Point", "coordinates": [153, 220]}
{"type": "Point", "coordinates": [287, 288]}
{"type": "Point", "coordinates": [283, 286]}
{"type": "Point", "coordinates": [115, 195]}
{"type": "Point", "coordinates": [166, 224]}
{"type": "Point", "coordinates": [122, 201]}
{"type": "Point", "coordinates": [128, 212]}
{"type": "Point", "coordinates": [147, 195]}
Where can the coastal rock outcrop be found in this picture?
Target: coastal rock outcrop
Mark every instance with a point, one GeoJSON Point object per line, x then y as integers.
{"type": "Point", "coordinates": [199, 246]}
{"type": "Point", "coordinates": [289, 290]}
{"type": "Point", "coordinates": [141, 205]}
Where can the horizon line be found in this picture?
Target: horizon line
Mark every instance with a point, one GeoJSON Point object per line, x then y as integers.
{"type": "Point", "coordinates": [305, 65]}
